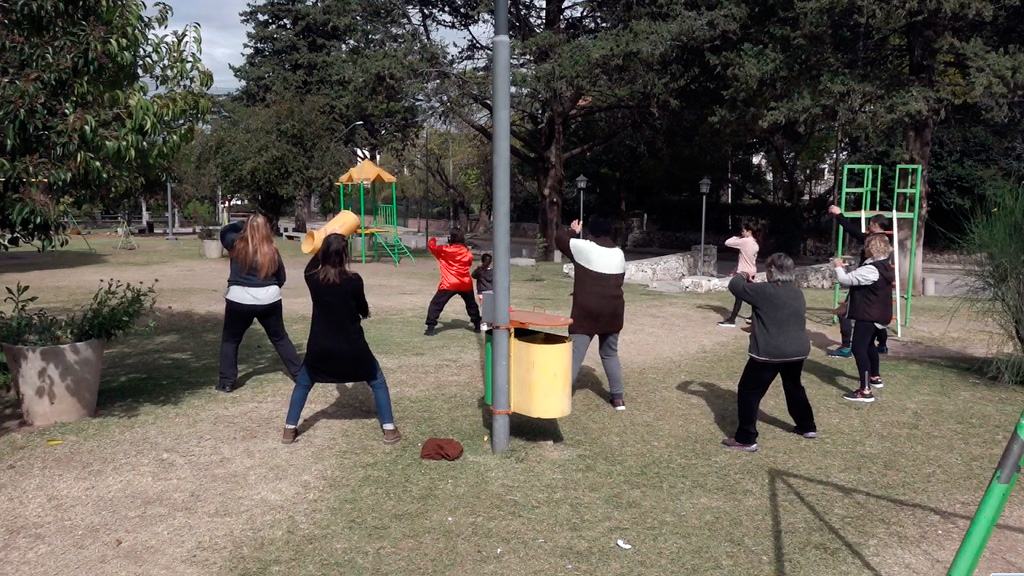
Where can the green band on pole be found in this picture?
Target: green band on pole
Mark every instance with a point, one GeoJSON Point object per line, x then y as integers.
{"type": "Point", "coordinates": [991, 506]}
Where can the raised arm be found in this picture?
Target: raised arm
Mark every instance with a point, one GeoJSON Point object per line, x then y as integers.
{"type": "Point", "coordinates": [230, 233]}
{"type": "Point", "coordinates": [313, 265]}
{"type": "Point", "coordinates": [434, 248]}
{"type": "Point", "coordinates": [747, 291]}
{"type": "Point", "coordinates": [863, 276]}
{"type": "Point", "coordinates": [562, 238]}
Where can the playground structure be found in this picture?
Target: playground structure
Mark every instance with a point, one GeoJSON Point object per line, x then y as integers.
{"type": "Point", "coordinates": [383, 232]}
{"type": "Point", "coordinates": [906, 195]}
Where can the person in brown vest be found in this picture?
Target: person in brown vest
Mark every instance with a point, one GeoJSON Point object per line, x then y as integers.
{"type": "Point", "coordinates": [598, 305]}
{"type": "Point", "coordinates": [870, 307]}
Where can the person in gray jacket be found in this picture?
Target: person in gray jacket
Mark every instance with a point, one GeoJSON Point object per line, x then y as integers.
{"type": "Point", "coordinates": [778, 346]}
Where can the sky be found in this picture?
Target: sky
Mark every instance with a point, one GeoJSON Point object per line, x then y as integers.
{"type": "Point", "coordinates": [223, 35]}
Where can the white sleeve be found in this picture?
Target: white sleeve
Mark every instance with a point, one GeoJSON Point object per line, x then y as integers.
{"type": "Point", "coordinates": [863, 276]}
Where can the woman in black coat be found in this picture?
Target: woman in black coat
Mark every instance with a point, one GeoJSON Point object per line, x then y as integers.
{"type": "Point", "coordinates": [337, 350]}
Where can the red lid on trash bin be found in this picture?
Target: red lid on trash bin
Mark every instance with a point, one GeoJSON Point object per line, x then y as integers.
{"type": "Point", "coordinates": [536, 317]}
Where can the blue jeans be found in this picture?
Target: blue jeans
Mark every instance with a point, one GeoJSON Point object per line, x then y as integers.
{"type": "Point", "coordinates": [303, 384]}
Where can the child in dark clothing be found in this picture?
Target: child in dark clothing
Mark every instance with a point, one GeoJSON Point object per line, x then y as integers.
{"type": "Point", "coordinates": [484, 276]}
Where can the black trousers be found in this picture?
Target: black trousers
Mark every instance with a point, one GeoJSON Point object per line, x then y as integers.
{"type": "Point", "coordinates": [237, 319]}
{"type": "Point", "coordinates": [440, 300]}
{"type": "Point", "coordinates": [754, 383]}
{"type": "Point", "coordinates": [846, 332]}
{"type": "Point", "coordinates": [865, 351]}
{"type": "Point", "coordinates": [735, 310]}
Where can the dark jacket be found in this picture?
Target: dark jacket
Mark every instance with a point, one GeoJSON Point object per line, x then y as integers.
{"type": "Point", "coordinates": [780, 324]}
{"type": "Point", "coordinates": [855, 232]}
{"type": "Point", "coordinates": [238, 277]}
{"type": "Point", "coordinates": [598, 305]}
{"type": "Point", "coordinates": [336, 350]}
{"type": "Point", "coordinates": [484, 279]}
{"type": "Point", "coordinates": [873, 302]}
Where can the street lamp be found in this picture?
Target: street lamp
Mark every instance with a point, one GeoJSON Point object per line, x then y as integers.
{"type": "Point", "coordinates": [581, 185]}
{"type": "Point", "coordinates": [705, 187]}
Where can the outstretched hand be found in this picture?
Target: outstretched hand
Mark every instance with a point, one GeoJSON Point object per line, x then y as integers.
{"type": "Point", "coordinates": [835, 210]}
{"type": "Point", "coordinates": [576, 226]}
{"type": "Point", "coordinates": [839, 263]}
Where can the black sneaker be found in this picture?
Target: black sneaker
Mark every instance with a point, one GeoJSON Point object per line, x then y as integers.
{"type": "Point", "coordinates": [883, 349]}
{"type": "Point", "coordinates": [619, 404]}
{"type": "Point", "coordinates": [732, 444]}
{"type": "Point", "coordinates": [429, 331]}
{"type": "Point", "coordinates": [476, 328]}
{"type": "Point", "coordinates": [225, 388]}
{"type": "Point", "coordinates": [727, 324]}
{"type": "Point", "coordinates": [876, 382]}
{"type": "Point", "coordinates": [860, 396]}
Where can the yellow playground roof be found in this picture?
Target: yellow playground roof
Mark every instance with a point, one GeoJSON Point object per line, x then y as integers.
{"type": "Point", "coordinates": [366, 172]}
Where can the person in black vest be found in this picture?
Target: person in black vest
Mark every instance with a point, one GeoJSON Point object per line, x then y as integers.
{"type": "Point", "coordinates": [870, 307]}
{"type": "Point", "coordinates": [778, 347]}
{"type": "Point", "coordinates": [337, 350]}
{"type": "Point", "coordinates": [877, 226]}
{"type": "Point", "coordinates": [254, 293]}
{"type": "Point", "coordinates": [598, 304]}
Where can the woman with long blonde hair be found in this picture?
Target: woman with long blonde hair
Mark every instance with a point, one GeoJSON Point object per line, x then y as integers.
{"type": "Point", "coordinates": [254, 293]}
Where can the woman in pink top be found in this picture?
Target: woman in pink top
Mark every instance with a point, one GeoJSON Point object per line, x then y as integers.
{"type": "Point", "coordinates": [748, 247]}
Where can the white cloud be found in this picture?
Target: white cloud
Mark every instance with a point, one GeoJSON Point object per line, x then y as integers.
{"type": "Point", "coordinates": [222, 31]}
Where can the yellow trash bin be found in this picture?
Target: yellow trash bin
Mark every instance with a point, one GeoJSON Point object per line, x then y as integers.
{"type": "Point", "coordinates": [540, 374]}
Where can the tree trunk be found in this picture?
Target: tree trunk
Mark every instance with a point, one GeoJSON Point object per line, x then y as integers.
{"type": "Point", "coordinates": [550, 179]}
{"type": "Point", "coordinates": [918, 140]}
{"type": "Point", "coordinates": [302, 201]}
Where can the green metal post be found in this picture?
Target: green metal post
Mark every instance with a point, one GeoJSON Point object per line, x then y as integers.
{"type": "Point", "coordinates": [915, 170]}
{"type": "Point", "coordinates": [488, 355]}
{"type": "Point", "coordinates": [991, 506]}
{"type": "Point", "coordinates": [362, 219]}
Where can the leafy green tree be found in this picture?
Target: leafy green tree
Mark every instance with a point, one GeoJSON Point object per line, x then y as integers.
{"type": "Point", "coordinates": [338, 62]}
{"type": "Point", "coordinates": [93, 96]}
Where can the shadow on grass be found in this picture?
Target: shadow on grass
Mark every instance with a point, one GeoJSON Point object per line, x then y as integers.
{"type": "Point", "coordinates": [779, 479]}
{"type": "Point", "coordinates": [178, 359]}
{"type": "Point", "coordinates": [722, 403]}
{"type": "Point", "coordinates": [588, 379]}
{"type": "Point", "coordinates": [722, 310]}
{"type": "Point", "coordinates": [523, 427]}
{"type": "Point", "coordinates": [831, 375]}
{"type": "Point", "coordinates": [822, 341]}
{"type": "Point", "coordinates": [54, 260]}
{"type": "Point", "coordinates": [354, 402]}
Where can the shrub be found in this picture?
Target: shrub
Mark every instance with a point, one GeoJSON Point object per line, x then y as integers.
{"type": "Point", "coordinates": [996, 234]}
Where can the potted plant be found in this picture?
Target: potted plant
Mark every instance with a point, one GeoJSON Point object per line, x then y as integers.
{"type": "Point", "coordinates": [55, 362]}
{"type": "Point", "coordinates": [210, 237]}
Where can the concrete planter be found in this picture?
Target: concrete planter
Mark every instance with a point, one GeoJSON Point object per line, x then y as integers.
{"type": "Point", "coordinates": [212, 249]}
{"type": "Point", "coordinates": [56, 383]}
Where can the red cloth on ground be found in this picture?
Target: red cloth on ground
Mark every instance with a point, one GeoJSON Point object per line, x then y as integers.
{"type": "Point", "coordinates": [441, 449]}
{"type": "Point", "coordinates": [455, 261]}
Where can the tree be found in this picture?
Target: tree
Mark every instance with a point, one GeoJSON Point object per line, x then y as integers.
{"type": "Point", "coordinates": [76, 78]}
{"type": "Point", "coordinates": [339, 62]}
{"type": "Point", "coordinates": [583, 72]}
{"type": "Point", "coordinates": [880, 68]}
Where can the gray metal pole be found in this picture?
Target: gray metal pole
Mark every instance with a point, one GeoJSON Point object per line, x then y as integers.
{"type": "Point", "coordinates": [502, 160]}
{"type": "Point", "coordinates": [170, 213]}
{"type": "Point", "coordinates": [582, 192]}
{"type": "Point", "coordinates": [703, 214]}
{"type": "Point", "coordinates": [220, 210]}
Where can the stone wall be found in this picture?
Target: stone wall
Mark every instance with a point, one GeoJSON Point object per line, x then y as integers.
{"type": "Point", "coordinates": [672, 267]}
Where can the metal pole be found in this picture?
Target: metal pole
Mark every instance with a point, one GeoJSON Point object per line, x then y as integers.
{"type": "Point", "coordinates": [991, 506]}
{"type": "Point", "coordinates": [703, 213]}
{"type": "Point", "coordinates": [582, 192]}
{"type": "Point", "coordinates": [170, 213]}
{"type": "Point", "coordinates": [501, 142]}
{"type": "Point", "coordinates": [220, 209]}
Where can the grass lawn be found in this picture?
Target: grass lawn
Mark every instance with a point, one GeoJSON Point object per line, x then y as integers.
{"type": "Point", "coordinates": [172, 477]}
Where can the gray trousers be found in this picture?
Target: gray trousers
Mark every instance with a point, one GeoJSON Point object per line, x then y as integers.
{"type": "Point", "coordinates": [609, 350]}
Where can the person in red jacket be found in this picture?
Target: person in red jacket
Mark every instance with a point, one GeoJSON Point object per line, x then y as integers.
{"type": "Point", "coordinates": [455, 261]}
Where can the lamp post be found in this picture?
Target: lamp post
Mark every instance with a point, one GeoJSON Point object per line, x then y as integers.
{"type": "Point", "coordinates": [705, 187]}
{"type": "Point", "coordinates": [581, 185]}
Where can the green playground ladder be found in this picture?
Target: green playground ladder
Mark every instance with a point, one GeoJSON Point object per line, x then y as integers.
{"type": "Point", "coordinates": [384, 217]}
{"type": "Point", "coordinates": [863, 185]}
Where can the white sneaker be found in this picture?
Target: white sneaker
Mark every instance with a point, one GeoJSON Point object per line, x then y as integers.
{"type": "Point", "coordinates": [483, 326]}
